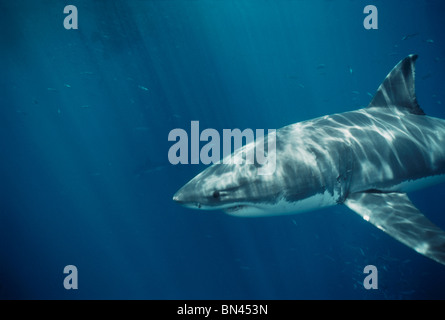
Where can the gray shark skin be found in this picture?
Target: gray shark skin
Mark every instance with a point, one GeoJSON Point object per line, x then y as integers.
{"type": "Point", "coordinates": [367, 159]}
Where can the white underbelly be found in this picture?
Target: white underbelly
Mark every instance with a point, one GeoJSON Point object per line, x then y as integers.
{"type": "Point", "coordinates": [282, 206]}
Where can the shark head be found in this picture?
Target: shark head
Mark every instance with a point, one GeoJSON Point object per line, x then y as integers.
{"type": "Point", "coordinates": [243, 189]}
{"type": "Point", "coordinates": [240, 184]}
{"type": "Point", "coordinates": [227, 187]}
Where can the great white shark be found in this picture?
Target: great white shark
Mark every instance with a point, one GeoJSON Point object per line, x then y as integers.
{"type": "Point", "coordinates": [366, 159]}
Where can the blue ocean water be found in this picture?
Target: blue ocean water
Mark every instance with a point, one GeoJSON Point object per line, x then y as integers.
{"type": "Point", "coordinates": [84, 120]}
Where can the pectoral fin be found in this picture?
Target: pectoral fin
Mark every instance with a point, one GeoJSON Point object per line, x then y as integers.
{"type": "Point", "coordinates": [397, 216]}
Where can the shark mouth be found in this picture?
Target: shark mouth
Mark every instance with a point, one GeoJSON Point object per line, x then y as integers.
{"type": "Point", "coordinates": [234, 209]}
{"type": "Point", "coordinates": [246, 210]}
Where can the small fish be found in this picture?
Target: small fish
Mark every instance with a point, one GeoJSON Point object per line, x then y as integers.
{"type": "Point", "coordinates": [85, 106]}
{"type": "Point", "coordinates": [369, 94]}
{"type": "Point", "coordinates": [86, 72]}
{"type": "Point", "coordinates": [301, 86]}
{"type": "Point", "coordinates": [408, 36]}
{"type": "Point", "coordinates": [52, 89]}
{"type": "Point", "coordinates": [429, 40]}
{"type": "Point", "coordinates": [321, 66]}
{"type": "Point", "coordinates": [426, 76]}
{"type": "Point", "coordinates": [143, 88]}
{"type": "Point", "coordinates": [350, 70]}
{"type": "Point", "coordinates": [355, 92]}
{"type": "Point", "coordinates": [406, 261]}
{"type": "Point", "coordinates": [67, 85]}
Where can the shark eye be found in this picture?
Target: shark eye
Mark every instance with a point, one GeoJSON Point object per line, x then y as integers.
{"type": "Point", "coordinates": [216, 194]}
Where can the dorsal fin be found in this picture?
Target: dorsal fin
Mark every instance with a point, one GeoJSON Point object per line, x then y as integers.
{"type": "Point", "coordinates": [397, 90]}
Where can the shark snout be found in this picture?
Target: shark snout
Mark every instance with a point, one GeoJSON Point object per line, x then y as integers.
{"type": "Point", "coordinates": [184, 198]}
{"type": "Point", "coordinates": [178, 197]}
{"type": "Point", "coordinates": [185, 195]}
{"type": "Point", "coordinates": [191, 196]}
